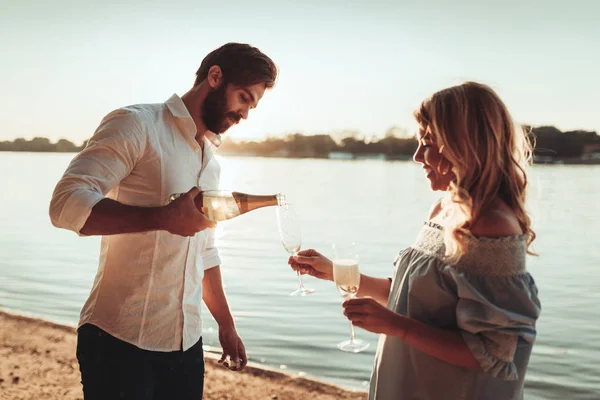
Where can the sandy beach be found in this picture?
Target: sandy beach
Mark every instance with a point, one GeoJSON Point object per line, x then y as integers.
{"type": "Point", "coordinates": [38, 362]}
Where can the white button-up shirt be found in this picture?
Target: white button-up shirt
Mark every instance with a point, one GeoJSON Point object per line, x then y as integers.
{"type": "Point", "coordinates": [148, 289]}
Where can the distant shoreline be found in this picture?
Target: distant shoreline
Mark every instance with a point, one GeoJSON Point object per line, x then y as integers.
{"type": "Point", "coordinates": [552, 146]}
{"type": "Point", "coordinates": [356, 157]}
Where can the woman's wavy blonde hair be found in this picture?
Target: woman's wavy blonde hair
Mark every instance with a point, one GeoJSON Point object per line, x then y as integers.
{"type": "Point", "coordinates": [476, 134]}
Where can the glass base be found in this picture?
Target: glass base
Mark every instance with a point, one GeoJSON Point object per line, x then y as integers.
{"type": "Point", "coordinates": [302, 292]}
{"type": "Point", "coordinates": [353, 346]}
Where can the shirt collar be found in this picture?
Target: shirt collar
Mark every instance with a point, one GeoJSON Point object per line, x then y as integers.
{"type": "Point", "coordinates": [177, 107]}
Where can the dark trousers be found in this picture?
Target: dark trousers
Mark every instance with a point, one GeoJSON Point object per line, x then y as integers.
{"type": "Point", "coordinates": [113, 369]}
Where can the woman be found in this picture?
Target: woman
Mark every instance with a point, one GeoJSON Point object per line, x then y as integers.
{"type": "Point", "coordinates": [458, 317]}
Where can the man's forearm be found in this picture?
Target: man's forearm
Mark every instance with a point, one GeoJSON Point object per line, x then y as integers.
{"type": "Point", "coordinates": [109, 217]}
{"type": "Point", "coordinates": [214, 297]}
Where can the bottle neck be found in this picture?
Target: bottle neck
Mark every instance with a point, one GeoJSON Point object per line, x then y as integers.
{"type": "Point", "coordinates": [249, 202]}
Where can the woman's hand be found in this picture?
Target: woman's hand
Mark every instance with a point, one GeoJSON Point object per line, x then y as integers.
{"type": "Point", "coordinates": [313, 263]}
{"type": "Point", "coordinates": [372, 316]}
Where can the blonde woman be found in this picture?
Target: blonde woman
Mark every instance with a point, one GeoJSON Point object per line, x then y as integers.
{"type": "Point", "coordinates": [458, 317]}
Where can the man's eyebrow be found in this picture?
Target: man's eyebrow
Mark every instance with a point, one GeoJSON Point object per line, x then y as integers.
{"type": "Point", "coordinates": [252, 98]}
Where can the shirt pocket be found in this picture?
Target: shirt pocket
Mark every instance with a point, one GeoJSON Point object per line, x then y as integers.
{"type": "Point", "coordinates": [209, 177]}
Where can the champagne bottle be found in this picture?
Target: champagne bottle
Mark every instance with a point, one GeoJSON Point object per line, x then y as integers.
{"type": "Point", "coordinates": [221, 205]}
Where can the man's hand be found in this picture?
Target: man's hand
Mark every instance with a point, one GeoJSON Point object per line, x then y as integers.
{"type": "Point", "coordinates": [182, 217]}
{"type": "Point", "coordinates": [372, 316]}
{"type": "Point", "coordinates": [234, 348]}
{"type": "Point", "coordinates": [214, 298]}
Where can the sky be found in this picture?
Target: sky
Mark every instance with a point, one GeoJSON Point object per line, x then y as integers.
{"type": "Point", "coordinates": [344, 65]}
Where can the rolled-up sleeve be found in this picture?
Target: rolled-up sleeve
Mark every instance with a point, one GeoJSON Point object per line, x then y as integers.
{"type": "Point", "coordinates": [493, 314]}
{"type": "Point", "coordinates": [210, 254]}
{"type": "Point", "coordinates": [109, 156]}
{"type": "Point", "coordinates": [210, 180]}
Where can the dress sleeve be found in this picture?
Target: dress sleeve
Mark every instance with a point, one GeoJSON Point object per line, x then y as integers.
{"type": "Point", "coordinates": [493, 314]}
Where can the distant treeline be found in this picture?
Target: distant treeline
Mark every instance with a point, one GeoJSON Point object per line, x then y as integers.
{"type": "Point", "coordinates": [41, 144]}
{"type": "Point", "coordinates": [550, 142]}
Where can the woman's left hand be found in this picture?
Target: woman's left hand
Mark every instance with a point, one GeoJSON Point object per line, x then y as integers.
{"type": "Point", "coordinates": [370, 315]}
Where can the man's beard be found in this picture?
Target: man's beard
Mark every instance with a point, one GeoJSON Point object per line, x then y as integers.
{"type": "Point", "coordinates": [215, 113]}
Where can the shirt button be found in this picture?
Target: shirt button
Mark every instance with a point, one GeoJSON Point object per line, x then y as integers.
{"type": "Point", "coordinates": [197, 150]}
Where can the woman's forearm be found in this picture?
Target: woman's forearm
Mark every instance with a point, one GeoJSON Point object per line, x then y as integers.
{"type": "Point", "coordinates": [377, 288]}
{"type": "Point", "coordinates": [444, 344]}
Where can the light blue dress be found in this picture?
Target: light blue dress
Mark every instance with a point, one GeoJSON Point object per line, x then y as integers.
{"type": "Point", "coordinates": [488, 296]}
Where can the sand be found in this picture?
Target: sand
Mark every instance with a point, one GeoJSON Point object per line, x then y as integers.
{"type": "Point", "coordinates": [37, 361]}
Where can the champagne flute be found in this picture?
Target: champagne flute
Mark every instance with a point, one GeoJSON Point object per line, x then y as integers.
{"type": "Point", "coordinates": [346, 276]}
{"type": "Point", "coordinates": [291, 237]}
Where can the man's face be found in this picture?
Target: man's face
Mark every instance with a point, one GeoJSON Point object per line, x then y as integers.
{"type": "Point", "coordinates": [226, 105]}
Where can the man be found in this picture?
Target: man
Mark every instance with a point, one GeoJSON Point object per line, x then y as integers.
{"type": "Point", "coordinates": [139, 334]}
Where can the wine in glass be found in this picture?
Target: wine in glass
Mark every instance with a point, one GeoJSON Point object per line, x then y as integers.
{"type": "Point", "coordinates": [291, 237]}
{"type": "Point", "coordinates": [346, 276]}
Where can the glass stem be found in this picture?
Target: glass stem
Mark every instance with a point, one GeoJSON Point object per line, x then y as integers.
{"type": "Point", "coordinates": [299, 276]}
{"type": "Point", "coordinates": [300, 279]}
{"type": "Point", "coordinates": [352, 336]}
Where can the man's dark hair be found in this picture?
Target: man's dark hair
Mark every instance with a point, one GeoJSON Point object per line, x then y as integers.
{"type": "Point", "coordinates": [241, 64]}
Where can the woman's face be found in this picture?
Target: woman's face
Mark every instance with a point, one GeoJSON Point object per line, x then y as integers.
{"type": "Point", "coordinates": [437, 168]}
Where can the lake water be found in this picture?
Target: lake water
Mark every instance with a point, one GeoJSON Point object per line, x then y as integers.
{"type": "Point", "coordinates": [47, 272]}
